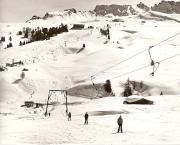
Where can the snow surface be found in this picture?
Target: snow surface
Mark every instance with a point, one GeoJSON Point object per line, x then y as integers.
{"type": "Point", "coordinates": [52, 65]}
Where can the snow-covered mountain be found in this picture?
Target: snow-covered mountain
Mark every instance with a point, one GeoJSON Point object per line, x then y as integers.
{"type": "Point", "coordinates": [67, 16]}
{"type": "Point", "coordinates": [100, 10]}
{"type": "Point", "coordinates": [63, 62]}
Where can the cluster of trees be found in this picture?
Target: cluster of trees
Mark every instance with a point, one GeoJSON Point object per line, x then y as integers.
{"type": "Point", "coordinates": [44, 33]}
{"type": "Point", "coordinates": [9, 45]}
{"type": "Point", "coordinates": [24, 42]}
{"type": "Point", "coordinates": [41, 34]}
{"type": "Point", "coordinates": [130, 86]}
{"type": "Point", "coordinates": [105, 32]}
{"type": "Point", "coordinates": [3, 39]}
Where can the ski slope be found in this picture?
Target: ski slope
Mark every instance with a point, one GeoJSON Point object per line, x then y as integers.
{"type": "Point", "coordinates": [52, 65]}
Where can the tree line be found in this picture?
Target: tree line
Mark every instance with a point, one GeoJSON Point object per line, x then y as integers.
{"type": "Point", "coordinates": [41, 34]}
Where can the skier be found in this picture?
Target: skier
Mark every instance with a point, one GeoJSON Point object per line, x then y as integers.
{"type": "Point", "coordinates": [84, 45]}
{"type": "Point", "coordinates": [86, 118]}
{"type": "Point", "coordinates": [161, 93]}
{"type": "Point", "coordinates": [69, 116]}
{"type": "Point", "coordinates": [49, 114]}
{"type": "Point", "coordinates": [120, 122]}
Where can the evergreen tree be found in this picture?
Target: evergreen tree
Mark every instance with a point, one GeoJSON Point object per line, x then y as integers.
{"type": "Point", "coordinates": [19, 33]}
{"type": "Point", "coordinates": [107, 86]}
{"type": "Point", "coordinates": [26, 33]}
{"type": "Point", "coordinates": [32, 33]}
{"type": "Point", "coordinates": [141, 84]}
{"type": "Point", "coordinates": [20, 43]}
{"type": "Point", "coordinates": [10, 39]}
{"type": "Point", "coordinates": [127, 90]}
{"type": "Point", "coordinates": [10, 44]}
{"type": "Point", "coordinates": [2, 38]}
{"type": "Point", "coordinates": [134, 85]}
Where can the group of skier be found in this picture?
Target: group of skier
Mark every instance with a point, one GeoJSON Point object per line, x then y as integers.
{"type": "Point", "coordinates": [86, 116]}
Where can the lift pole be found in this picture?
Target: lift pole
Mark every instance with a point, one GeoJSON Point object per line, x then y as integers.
{"type": "Point", "coordinates": [65, 95]}
{"type": "Point", "coordinates": [47, 103]}
{"type": "Point", "coordinates": [49, 95]}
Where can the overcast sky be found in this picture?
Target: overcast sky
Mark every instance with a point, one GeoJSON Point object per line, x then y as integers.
{"type": "Point", "coordinates": [21, 10]}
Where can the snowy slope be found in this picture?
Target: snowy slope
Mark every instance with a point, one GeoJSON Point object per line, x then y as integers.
{"type": "Point", "coordinates": [52, 65]}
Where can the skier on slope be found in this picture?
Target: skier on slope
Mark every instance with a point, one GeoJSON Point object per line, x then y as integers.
{"type": "Point", "coordinates": [120, 122]}
{"type": "Point", "coordinates": [69, 116]}
{"type": "Point", "coordinates": [86, 118]}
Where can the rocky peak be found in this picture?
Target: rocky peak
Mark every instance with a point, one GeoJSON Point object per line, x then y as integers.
{"type": "Point", "coordinates": [72, 10]}
{"type": "Point", "coordinates": [143, 6]}
{"type": "Point", "coordinates": [168, 7]}
{"type": "Point", "coordinates": [34, 18]}
{"type": "Point", "coordinates": [116, 10]}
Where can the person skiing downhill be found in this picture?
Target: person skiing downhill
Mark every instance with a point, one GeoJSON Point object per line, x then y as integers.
{"type": "Point", "coordinates": [86, 118]}
{"type": "Point", "coordinates": [120, 122]}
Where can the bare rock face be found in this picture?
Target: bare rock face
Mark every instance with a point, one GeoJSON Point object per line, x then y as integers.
{"type": "Point", "coordinates": [168, 7]}
{"type": "Point", "coordinates": [72, 10]}
{"type": "Point", "coordinates": [34, 18]}
{"type": "Point", "coordinates": [47, 15]}
{"type": "Point", "coordinates": [116, 10]}
{"type": "Point", "coordinates": [143, 6]}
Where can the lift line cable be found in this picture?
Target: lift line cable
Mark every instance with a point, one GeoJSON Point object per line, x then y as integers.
{"type": "Point", "coordinates": [145, 67]}
{"type": "Point", "coordinates": [136, 54]}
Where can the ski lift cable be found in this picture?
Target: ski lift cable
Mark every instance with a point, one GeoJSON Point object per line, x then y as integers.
{"type": "Point", "coordinates": [94, 85]}
{"type": "Point", "coordinates": [136, 54]}
{"type": "Point", "coordinates": [145, 67]}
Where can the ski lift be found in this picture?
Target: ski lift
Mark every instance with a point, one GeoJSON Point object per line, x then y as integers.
{"type": "Point", "coordinates": [153, 64]}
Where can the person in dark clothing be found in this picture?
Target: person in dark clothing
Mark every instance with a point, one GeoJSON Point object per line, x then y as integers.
{"type": "Point", "coordinates": [120, 122]}
{"type": "Point", "coordinates": [86, 118]}
{"type": "Point", "coordinates": [84, 45]}
{"type": "Point", "coordinates": [69, 116]}
{"type": "Point", "coordinates": [49, 114]}
{"type": "Point", "coordinates": [161, 93]}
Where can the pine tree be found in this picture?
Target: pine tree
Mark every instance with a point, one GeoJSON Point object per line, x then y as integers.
{"type": "Point", "coordinates": [107, 86]}
{"type": "Point", "coordinates": [134, 85]}
{"type": "Point", "coordinates": [10, 44]}
{"type": "Point", "coordinates": [19, 33]}
{"type": "Point", "coordinates": [141, 84]}
{"type": "Point", "coordinates": [10, 39]}
{"type": "Point", "coordinates": [26, 33]}
{"type": "Point", "coordinates": [20, 43]}
{"type": "Point", "coordinates": [127, 90]}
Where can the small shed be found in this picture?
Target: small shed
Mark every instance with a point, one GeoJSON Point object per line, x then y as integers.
{"type": "Point", "coordinates": [39, 105]}
{"type": "Point", "coordinates": [77, 27]}
{"type": "Point", "coordinates": [117, 20]}
{"type": "Point", "coordinates": [29, 104]}
{"type": "Point", "coordinates": [142, 101]}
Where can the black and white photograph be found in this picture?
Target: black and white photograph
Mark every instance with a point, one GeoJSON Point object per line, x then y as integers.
{"type": "Point", "coordinates": [75, 72]}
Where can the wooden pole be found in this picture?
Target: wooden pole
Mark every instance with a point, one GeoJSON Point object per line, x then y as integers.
{"type": "Point", "coordinates": [66, 103]}
{"type": "Point", "coordinates": [47, 103]}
